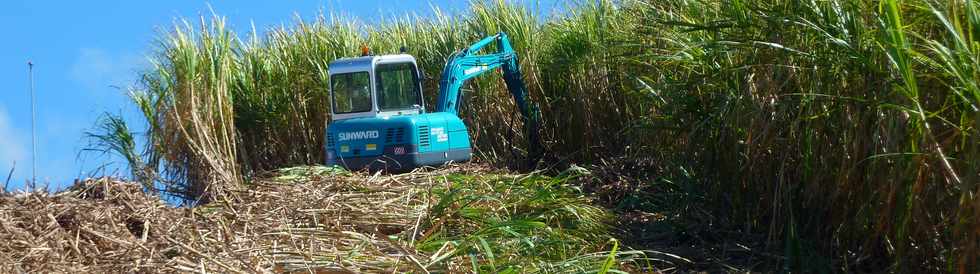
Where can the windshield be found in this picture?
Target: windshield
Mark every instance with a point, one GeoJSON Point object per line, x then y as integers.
{"type": "Point", "coordinates": [351, 92]}
{"type": "Point", "coordinates": [397, 86]}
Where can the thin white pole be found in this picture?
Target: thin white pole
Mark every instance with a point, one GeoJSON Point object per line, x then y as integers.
{"type": "Point", "coordinates": [30, 68]}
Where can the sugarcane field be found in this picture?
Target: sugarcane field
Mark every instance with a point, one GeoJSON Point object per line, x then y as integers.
{"type": "Point", "coordinates": [491, 136]}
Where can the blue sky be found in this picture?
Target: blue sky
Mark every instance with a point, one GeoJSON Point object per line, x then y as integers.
{"type": "Point", "coordinates": [84, 51]}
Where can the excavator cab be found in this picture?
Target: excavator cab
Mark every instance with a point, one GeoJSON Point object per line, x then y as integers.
{"type": "Point", "coordinates": [375, 86]}
{"type": "Point", "coordinates": [378, 118]}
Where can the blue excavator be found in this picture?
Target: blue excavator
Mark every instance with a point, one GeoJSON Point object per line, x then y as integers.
{"type": "Point", "coordinates": [379, 120]}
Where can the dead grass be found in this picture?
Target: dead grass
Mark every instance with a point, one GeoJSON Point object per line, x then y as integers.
{"type": "Point", "coordinates": [296, 220]}
{"type": "Point", "coordinates": [338, 225]}
{"type": "Point", "coordinates": [95, 226]}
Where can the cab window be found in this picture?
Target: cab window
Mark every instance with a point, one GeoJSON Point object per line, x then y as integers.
{"type": "Point", "coordinates": [397, 86]}
{"type": "Point", "coordinates": [351, 92]}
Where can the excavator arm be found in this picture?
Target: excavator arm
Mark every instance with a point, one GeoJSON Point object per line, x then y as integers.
{"type": "Point", "coordinates": [468, 63]}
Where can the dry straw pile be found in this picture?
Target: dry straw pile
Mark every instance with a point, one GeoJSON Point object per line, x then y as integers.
{"type": "Point", "coordinates": [298, 220]}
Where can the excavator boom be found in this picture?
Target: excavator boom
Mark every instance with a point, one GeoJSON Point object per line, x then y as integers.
{"type": "Point", "coordinates": [469, 63]}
